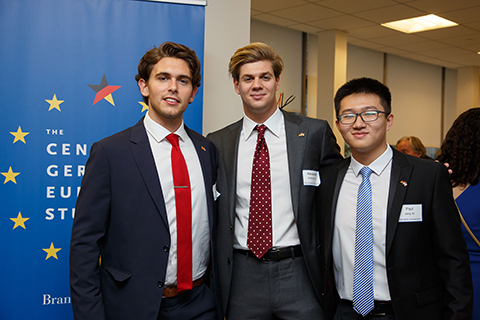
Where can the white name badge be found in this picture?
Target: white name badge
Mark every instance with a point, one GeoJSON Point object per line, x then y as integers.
{"type": "Point", "coordinates": [311, 178]}
{"type": "Point", "coordinates": [411, 213]}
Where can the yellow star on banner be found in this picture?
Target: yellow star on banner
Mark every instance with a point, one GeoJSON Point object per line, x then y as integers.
{"type": "Point", "coordinates": [144, 106]}
{"type": "Point", "coordinates": [52, 251]}
{"type": "Point", "coordinates": [10, 175]}
{"type": "Point", "coordinates": [19, 135]}
{"type": "Point", "coordinates": [19, 221]}
{"type": "Point", "coordinates": [54, 103]}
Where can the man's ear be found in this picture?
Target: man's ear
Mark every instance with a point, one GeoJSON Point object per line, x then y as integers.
{"type": "Point", "coordinates": [142, 85]}
{"type": "Point", "coordinates": [236, 85]}
{"type": "Point", "coordinates": [194, 92]}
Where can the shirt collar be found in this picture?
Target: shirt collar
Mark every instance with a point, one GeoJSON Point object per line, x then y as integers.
{"type": "Point", "coordinates": [273, 124]}
{"type": "Point", "coordinates": [159, 132]}
{"type": "Point", "coordinates": [377, 166]}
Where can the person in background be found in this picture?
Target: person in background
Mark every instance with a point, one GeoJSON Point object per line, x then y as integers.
{"type": "Point", "coordinates": [461, 150]}
{"type": "Point", "coordinates": [146, 208]}
{"type": "Point", "coordinates": [393, 247]}
{"type": "Point", "coordinates": [413, 146]}
{"type": "Point", "coordinates": [268, 241]}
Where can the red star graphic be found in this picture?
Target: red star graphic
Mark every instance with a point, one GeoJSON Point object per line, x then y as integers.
{"type": "Point", "coordinates": [103, 90]}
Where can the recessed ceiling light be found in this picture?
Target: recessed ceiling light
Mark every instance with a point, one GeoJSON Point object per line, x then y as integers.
{"type": "Point", "coordinates": [419, 24]}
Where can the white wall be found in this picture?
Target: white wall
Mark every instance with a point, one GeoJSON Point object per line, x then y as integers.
{"type": "Point", "coordinates": [227, 28]}
{"type": "Point", "coordinates": [287, 43]}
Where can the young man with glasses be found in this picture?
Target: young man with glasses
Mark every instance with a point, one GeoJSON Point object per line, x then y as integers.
{"type": "Point", "coordinates": [393, 246]}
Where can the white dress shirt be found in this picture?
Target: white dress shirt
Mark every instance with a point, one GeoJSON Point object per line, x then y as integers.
{"type": "Point", "coordinates": [345, 224]}
{"type": "Point", "coordinates": [161, 150]}
{"type": "Point", "coordinates": [283, 222]}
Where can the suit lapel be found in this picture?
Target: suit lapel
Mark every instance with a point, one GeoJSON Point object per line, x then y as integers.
{"type": "Point", "coordinates": [400, 176]}
{"type": "Point", "coordinates": [340, 175]}
{"type": "Point", "coordinates": [229, 152]}
{"type": "Point", "coordinates": [142, 153]}
{"type": "Point", "coordinates": [205, 161]}
{"type": "Point", "coordinates": [296, 136]}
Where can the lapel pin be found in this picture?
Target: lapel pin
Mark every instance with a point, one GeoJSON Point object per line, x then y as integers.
{"type": "Point", "coordinates": [301, 134]}
{"type": "Point", "coordinates": [404, 183]}
{"type": "Point", "coordinates": [203, 148]}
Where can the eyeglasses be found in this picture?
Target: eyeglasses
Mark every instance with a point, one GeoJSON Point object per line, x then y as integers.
{"type": "Point", "coordinates": [367, 116]}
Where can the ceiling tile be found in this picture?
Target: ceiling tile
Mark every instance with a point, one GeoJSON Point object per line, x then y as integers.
{"type": "Point", "coordinates": [390, 13]}
{"type": "Point", "coordinates": [372, 32]}
{"type": "Point", "coordinates": [439, 6]}
{"type": "Point", "coordinates": [306, 28]}
{"type": "Point", "coordinates": [428, 45]}
{"type": "Point", "coordinates": [345, 22]}
{"type": "Point", "coordinates": [349, 6]}
{"type": "Point", "coordinates": [307, 13]}
{"type": "Point", "coordinates": [265, 17]}
{"type": "Point", "coordinates": [271, 5]}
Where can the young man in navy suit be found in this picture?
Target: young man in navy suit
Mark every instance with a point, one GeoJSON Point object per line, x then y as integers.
{"type": "Point", "coordinates": [282, 281]}
{"type": "Point", "coordinates": [152, 234]}
{"type": "Point", "coordinates": [392, 238]}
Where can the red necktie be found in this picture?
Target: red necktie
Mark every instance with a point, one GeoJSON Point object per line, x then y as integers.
{"type": "Point", "coordinates": [259, 239]}
{"type": "Point", "coordinates": [183, 204]}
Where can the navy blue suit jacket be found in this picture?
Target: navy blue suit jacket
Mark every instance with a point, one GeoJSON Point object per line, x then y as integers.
{"type": "Point", "coordinates": [120, 215]}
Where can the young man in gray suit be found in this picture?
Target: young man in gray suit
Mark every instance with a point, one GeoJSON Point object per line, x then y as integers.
{"type": "Point", "coordinates": [392, 236]}
{"type": "Point", "coordinates": [268, 244]}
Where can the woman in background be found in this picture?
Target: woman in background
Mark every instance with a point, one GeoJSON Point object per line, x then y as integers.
{"type": "Point", "coordinates": [461, 150]}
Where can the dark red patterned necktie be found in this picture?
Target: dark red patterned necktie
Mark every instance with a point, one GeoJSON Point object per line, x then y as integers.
{"type": "Point", "coordinates": [259, 239]}
{"type": "Point", "coordinates": [183, 204]}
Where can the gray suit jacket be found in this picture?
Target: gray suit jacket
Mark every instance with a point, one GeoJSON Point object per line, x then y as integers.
{"type": "Point", "coordinates": [310, 146]}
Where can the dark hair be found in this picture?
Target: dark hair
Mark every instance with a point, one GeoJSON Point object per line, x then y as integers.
{"type": "Point", "coordinates": [461, 148]}
{"type": "Point", "coordinates": [254, 52]}
{"type": "Point", "coordinates": [169, 50]}
{"type": "Point", "coordinates": [367, 86]}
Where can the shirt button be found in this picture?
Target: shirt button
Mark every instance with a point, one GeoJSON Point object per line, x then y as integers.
{"type": "Point", "coordinates": [160, 284]}
{"type": "Point", "coordinates": [166, 249]}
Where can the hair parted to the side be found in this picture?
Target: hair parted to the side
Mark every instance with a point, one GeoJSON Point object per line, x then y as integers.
{"type": "Point", "coordinates": [169, 50]}
{"type": "Point", "coordinates": [416, 144]}
{"type": "Point", "coordinates": [254, 52]}
{"type": "Point", "coordinates": [365, 86]}
{"type": "Point", "coordinates": [461, 148]}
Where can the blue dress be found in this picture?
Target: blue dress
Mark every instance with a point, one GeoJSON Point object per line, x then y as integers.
{"type": "Point", "coordinates": [469, 204]}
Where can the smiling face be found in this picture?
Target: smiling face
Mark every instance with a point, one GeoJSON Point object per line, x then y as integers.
{"type": "Point", "coordinates": [367, 140]}
{"type": "Point", "coordinates": [169, 90]}
{"type": "Point", "coordinates": [257, 87]}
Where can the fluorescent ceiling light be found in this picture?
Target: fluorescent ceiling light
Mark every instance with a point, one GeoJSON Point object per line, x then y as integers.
{"type": "Point", "coordinates": [418, 24]}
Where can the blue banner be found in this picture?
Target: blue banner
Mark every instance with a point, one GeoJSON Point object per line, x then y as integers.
{"type": "Point", "coordinates": [67, 71]}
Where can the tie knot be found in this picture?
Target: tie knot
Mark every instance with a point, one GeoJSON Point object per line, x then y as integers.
{"type": "Point", "coordinates": [366, 172]}
{"type": "Point", "coordinates": [261, 129]}
{"type": "Point", "coordinates": [173, 139]}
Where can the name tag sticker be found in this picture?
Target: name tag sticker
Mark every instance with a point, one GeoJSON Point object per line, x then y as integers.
{"type": "Point", "coordinates": [311, 178]}
{"type": "Point", "coordinates": [411, 213]}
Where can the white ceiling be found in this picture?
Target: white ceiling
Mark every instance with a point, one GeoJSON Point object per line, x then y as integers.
{"type": "Point", "coordinates": [452, 47]}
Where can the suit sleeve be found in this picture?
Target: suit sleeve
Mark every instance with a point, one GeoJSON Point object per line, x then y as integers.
{"type": "Point", "coordinates": [89, 227]}
{"type": "Point", "coordinates": [451, 250]}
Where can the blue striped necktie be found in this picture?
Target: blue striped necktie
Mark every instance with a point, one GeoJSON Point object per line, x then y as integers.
{"type": "Point", "coordinates": [363, 297]}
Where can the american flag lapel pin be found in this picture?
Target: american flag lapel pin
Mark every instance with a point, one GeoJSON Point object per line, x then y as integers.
{"type": "Point", "coordinates": [203, 148]}
{"type": "Point", "coordinates": [301, 134]}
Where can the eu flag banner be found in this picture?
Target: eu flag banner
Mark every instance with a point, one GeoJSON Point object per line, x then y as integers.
{"type": "Point", "coordinates": [67, 71]}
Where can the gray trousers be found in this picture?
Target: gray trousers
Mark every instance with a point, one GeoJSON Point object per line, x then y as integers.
{"type": "Point", "coordinates": [267, 290]}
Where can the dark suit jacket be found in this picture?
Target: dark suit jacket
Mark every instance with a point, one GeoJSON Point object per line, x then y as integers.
{"type": "Point", "coordinates": [310, 145]}
{"type": "Point", "coordinates": [120, 215]}
{"type": "Point", "coordinates": [428, 267]}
